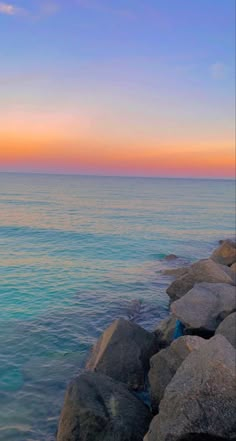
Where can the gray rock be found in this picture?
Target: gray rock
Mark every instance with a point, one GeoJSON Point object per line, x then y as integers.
{"type": "Point", "coordinates": [123, 353]}
{"type": "Point", "coordinates": [165, 331]}
{"type": "Point", "coordinates": [203, 308]}
{"type": "Point", "coordinates": [200, 401]}
{"type": "Point", "coordinates": [225, 253]}
{"type": "Point", "coordinates": [164, 365]}
{"type": "Point", "coordinates": [97, 408]}
{"type": "Point", "coordinates": [205, 270]}
{"type": "Point", "coordinates": [227, 328]}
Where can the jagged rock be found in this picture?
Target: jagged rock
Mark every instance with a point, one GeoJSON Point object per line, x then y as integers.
{"type": "Point", "coordinates": [164, 365]}
{"type": "Point", "coordinates": [200, 401]}
{"type": "Point", "coordinates": [227, 328]}
{"type": "Point", "coordinates": [165, 331]}
{"type": "Point", "coordinates": [97, 408]}
{"type": "Point", "coordinates": [203, 308]}
{"type": "Point", "coordinates": [123, 353]}
{"type": "Point", "coordinates": [205, 270]}
{"type": "Point", "coordinates": [225, 253]}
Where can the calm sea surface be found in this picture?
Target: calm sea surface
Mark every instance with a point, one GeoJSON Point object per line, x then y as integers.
{"type": "Point", "coordinates": [75, 253]}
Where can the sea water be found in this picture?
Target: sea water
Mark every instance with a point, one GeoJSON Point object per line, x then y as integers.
{"type": "Point", "coordinates": [76, 253]}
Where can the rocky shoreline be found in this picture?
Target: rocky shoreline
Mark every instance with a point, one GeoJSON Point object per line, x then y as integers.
{"type": "Point", "coordinates": [177, 383]}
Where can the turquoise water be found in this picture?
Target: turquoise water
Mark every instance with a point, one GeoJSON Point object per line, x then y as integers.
{"type": "Point", "coordinates": [75, 253]}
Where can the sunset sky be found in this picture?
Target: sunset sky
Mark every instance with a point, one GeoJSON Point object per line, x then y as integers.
{"type": "Point", "coordinates": [118, 87]}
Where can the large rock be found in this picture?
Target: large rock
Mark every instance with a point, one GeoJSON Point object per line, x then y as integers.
{"type": "Point", "coordinates": [164, 365]}
{"type": "Point", "coordinates": [225, 253]}
{"type": "Point", "coordinates": [97, 408]}
{"type": "Point", "coordinates": [123, 352]}
{"type": "Point", "coordinates": [205, 270]}
{"type": "Point", "coordinates": [203, 308]}
{"type": "Point", "coordinates": [227, 328]}
{"type": "Point", "coordinates": [200, 401]}
{"type": "Point", "coordinates": [165, 331]}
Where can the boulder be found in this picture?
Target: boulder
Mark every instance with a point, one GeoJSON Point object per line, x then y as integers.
{"type": "Point", "coordinates": [164, 365]}
{"type": "Point", "coordinates": [205, 270]}
{"type": "Point", "coordinates": [203, 308]}
{"type": "Point", "coordinates": [227, 328]}
{"type": "Point", "coordinates": [200, 401]}
{"type": "Point", "coordinates": [97, 408]}
{"type": "Point", "coordinates": [123, 353]}
{"type": "Point", "coordinates": [165, 331]}
{"type": "Point", "coordinates": [225, 253]}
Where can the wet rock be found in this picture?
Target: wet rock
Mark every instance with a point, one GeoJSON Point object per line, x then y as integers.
{"type": "Point", "coordinates": [175, 272]}
{"type": "Point", "coordinates": [231, 239]}
{"type": "Point", "coordinates": [203, 308]}
{"type": "Point", "coordinates": [227, 328]}
{"type": "Point", "coordinates": [134, 309]}
{"type": "Point", "coordinates": [165, 331]}
{"type": "Point", "coordinates": [97, 408]}
{"type": "Point", "coordinates": [123, 353]}
{"type": "Point", "coordinates": [225, 253]}
{"type": "Point", "coordinates": [205, 270]}
{"type": "Point", "coordinates": [164, 365]}
{"type": "Point", "coordinates": [200, 401]}
{"type": "Point", "coordinates": [171, 257]}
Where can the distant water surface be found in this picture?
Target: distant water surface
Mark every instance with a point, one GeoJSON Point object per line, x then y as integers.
{"type": "Point", "coordinates": [77, 252]}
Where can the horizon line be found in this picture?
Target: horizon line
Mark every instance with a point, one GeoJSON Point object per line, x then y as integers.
{"type": "Point", "coordinates": [115, 176]}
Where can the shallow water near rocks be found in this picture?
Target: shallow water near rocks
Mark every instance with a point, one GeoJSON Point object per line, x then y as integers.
{"type": "Point", "coordinates": [76, 253]}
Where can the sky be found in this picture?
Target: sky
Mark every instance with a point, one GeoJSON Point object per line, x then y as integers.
{"type": "Point", "coordinates": [118, 87]}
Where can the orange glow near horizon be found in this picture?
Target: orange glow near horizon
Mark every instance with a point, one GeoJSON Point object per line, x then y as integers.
{"type": "Point", "coordinates": [104, 156]}
{"type": "Point", "coordinates": [72, 144]}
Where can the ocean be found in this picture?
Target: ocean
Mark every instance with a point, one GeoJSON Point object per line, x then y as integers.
{"type": "Point", "coordinates": [77, 252]}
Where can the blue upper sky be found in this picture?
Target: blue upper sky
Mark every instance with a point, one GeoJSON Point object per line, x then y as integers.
{"type": "Point", "coordinates": [121, 60]}
{"type": "Point", "coordinates": [186, 31]}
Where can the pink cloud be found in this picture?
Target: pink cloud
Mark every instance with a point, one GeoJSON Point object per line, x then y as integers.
{"type": "Point", "coordinates": [9, 9]}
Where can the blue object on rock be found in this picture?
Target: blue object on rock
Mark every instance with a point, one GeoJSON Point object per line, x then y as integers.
{"type": "Point", "coordinates": [179, 329]}
{"type": "Point", "coordinates": [144, 396]}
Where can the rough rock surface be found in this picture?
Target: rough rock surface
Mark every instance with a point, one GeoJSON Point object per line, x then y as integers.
{"type": "Point", "coordinates": [204, 307]}
{"type": "Point", "coordinates": [164, 365]}
{"type": "Point", "coordinates": [200, 401]}
{"type": "Point", "coordinates": [97, 408]}
{"type": "Point", "coordinates": [227, 328]}
{"type": "Point", "coordinates": [123, 353]}
{"type": "Point", "coordinates": [165, 331]}
{"type": "Point", "coordinates": [225, 253]}
{"type": "Point", "coordinates": [205, 270]}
